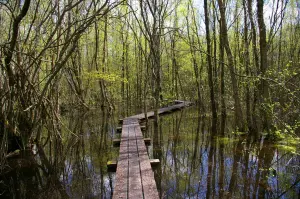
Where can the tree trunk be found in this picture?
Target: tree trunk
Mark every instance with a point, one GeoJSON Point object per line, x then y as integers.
{"type": "Point", "coordinates": [237, 102]}
{"type": "Point", "coordinates": [247, 63]}
{"type": "Point", "coordinates": [210, 71]}
{"type": "Point", "coordinates": [263, 87]}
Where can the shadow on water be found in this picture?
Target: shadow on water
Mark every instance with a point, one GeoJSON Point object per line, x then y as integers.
{"type": "Point", "coordinates": [198, 163]}
{"type": "Point", "coordinates": [195, 162]}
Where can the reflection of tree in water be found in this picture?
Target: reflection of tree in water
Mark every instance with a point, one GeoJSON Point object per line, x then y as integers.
{"type": "Point", "coordinates": [29, 173]}
{"type": "Point", "coordinates": [71, 164]}
{"type": "Point", "coordinates": [157, 152]}
{"type": "Point", "coordinates": [198, 164]}
{"type": "Point", "coordinates": [193, 160]}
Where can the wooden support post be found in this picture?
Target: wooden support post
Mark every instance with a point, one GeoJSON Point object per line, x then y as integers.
{"type": "Point", "coordinates": [112, 166]}
{"type": "Point", "coordinates": [119, 129]}
{"type": "Point", "coordinates": [154, 162]}
{"type": "Point", "coordinates": [143, 128]}
{"type": "Point", "coordinates": [147, 141]}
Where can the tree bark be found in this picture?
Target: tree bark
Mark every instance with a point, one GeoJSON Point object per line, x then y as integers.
{"type": "Point", "coordinates": [237, 102]}
{"type": "Point", "coordinates": [210, 70]}
{"type": "Point", "coordinates": [263, 87]}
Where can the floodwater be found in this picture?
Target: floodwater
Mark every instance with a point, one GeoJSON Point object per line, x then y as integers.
{"type": "Point", "coordinates": [195, 162]}
{"type": "Point", "coordinates": [198, 163]}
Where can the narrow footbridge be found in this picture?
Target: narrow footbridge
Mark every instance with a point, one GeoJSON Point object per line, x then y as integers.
{"type": "Point", "coordinates": [134, 175]}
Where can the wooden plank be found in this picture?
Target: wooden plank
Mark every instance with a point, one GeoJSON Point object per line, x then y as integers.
{"type": "Point", "coordinates": [135, 189]}
{"type": "Point", "coordinates": [119, 129]}
{"type": "Point", "coordinates": [178, 101]}
{"type": "Point", "coordinates": [121, 182]}
{"type": "Point", "coordinates": [116, 142]}
{"type": "Point", "coordinates": [112, 165]}
{"type": "Point", "coordinates": [178, 105]}
{"type": "Point", "coordinates": [148, 182]}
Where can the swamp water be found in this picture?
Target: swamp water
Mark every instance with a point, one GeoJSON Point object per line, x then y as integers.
{"type": "Point", "coordinates": [195, 163]}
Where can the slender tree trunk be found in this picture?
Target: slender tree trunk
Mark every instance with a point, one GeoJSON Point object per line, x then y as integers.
{"type": "Point", "coordinates": [256, 62]}
{"type": "Point", "coordinates": [123, 71]}
{"type": "Point", "coordinates": [222, 85]}
{"type": "Point", "coordinates": [264, 94]}
{"type": "Point", "coordinates": [193, 44]}
{"type": "Point", "coordinates": [247, 63]}
{"type": "Point", "coordinates": [174, 59]}
{"type": "Point", "coordinates": [237, 101]}
{"type": "Point", "coordinates": [210, 70]}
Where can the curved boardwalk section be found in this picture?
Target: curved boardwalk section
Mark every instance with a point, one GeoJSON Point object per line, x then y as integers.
{"type": "Point", "coordinates": [134, 177]}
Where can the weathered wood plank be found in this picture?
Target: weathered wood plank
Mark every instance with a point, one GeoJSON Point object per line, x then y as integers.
{"type": "Point", "coordinates": [135, 189]}
{"type": "Point", "coordinates": [112, 165]}
{"type": "Point", "coordinates": [121, 182]}
{"type": "Point", "coordinates": [116, 142]}
{"type": "Point", "coordinates": [119, 129]}
{"type": "Point", "coordinates": [149, 184]}
{"type": "Point", "coordinates": [178, 105]}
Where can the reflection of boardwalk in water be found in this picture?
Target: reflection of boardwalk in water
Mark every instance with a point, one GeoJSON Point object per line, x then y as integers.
{"type": "Point", "coordinates": [134, 177]}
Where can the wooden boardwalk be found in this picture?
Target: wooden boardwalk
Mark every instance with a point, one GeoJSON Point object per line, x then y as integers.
{"type": "Point", "coordinates": [134, 176]}
{"type": "Point", "coordinates": [178, 105]}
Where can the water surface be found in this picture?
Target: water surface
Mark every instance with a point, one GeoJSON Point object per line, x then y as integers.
{"type": "Point", "coordinates": [195, 162]}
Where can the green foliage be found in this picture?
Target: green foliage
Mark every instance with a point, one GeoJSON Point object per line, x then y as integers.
{"type": "Point", "coordinates": [288, 142]}
{"type": "Point", "coordinates": [239, 133]}
{"type": "Point", "coordinates": [227, 140]}
{"type": "Point", "coordinates": [287, 148]}
{"type": "Point", "coordinates": [96, 75]}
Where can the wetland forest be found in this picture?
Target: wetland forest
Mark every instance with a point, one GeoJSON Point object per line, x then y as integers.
{"type": "Point", "coordinates": [71, 69]}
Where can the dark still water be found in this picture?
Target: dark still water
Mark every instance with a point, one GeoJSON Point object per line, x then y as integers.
{"type": "Point", "coordinates": [195, 163]}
